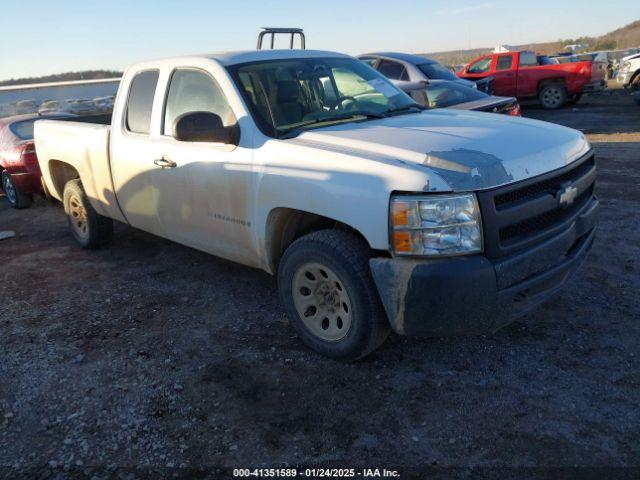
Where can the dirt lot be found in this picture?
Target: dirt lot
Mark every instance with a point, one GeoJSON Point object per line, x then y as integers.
{"type": "Point", "coordinates": [147, 357]}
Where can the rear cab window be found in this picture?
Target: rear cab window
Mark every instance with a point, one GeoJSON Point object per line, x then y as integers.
{"type": "Point", "coordinates": [393, 70]}
{"type": "Point", "coordinates": [528, 59]}
{"type": "Point", "coordinates": [504, 62]}
{"type": "Point", "coordinates": [371, 61]}
{"type": "Point", "coordinates": [23, 130]}
{"type": "Point", "coordinates": [140, 101]}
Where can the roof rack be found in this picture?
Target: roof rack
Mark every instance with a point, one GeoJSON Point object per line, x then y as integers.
{"type": "Point", "coordinates": [273, 31]}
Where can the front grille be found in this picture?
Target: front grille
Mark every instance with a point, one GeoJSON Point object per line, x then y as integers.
{"type": "Point", "coordinates": [544, 221]}
{"type": "Point", "coordinates": [518, 215]}
{"type": "Point", "coordinates": [550, 185]}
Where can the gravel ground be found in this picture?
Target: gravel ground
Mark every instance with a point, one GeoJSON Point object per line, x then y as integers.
{"type": "Point", "coordinates": [147, 359]}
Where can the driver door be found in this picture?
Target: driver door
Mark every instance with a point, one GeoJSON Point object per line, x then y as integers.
{"type": "Point", "coordinates": [207, 193]}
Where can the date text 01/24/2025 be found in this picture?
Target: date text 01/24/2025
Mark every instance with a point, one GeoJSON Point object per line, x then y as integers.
{"type": "Point", "coordinates": [316, 473]}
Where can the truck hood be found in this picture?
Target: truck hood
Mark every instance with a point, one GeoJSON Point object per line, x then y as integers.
{"type": "Point", "coordinates": [462, 151]}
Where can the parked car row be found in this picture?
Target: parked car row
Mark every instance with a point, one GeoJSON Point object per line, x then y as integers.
{"type": "Point", "coordinates": [72, 105]}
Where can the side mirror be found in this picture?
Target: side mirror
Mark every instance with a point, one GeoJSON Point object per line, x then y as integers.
{"type": "Point", "coordinates": [204, 127]}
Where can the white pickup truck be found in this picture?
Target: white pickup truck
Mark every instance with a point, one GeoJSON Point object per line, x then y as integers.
{"type": "Point", "coordinates": [374, 214]}
{"type": "Point", "coordinates": [629, 73]}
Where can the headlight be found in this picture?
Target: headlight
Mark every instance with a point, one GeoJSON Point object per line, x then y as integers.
{"type": "Point", "coordinates": [625, 67]}
{"type": "Point", "coordinates": [435, 225]}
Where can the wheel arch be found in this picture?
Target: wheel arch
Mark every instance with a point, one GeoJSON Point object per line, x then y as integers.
{"type": "Point", "coordinates": [548, 81]}
{"type": "Point", "coordinates": [60, 173]}
{"type": "Point", "coordinates": [285, 225]}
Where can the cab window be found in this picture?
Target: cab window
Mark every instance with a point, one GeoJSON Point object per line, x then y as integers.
{"type": "Point", "coordinates": [504, 62]}
{"type": "Point", "coordinates": [481, 66]}
{"type": "Point", "coordinates": [528, 59]}
{"type": "Point", "coordinates": [140, 101]}
{"type": "Point", "coordinates": [192, 90]}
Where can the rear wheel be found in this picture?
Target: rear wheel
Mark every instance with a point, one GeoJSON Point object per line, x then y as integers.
{"type": "Point", "coordinates": [326, 287]}
{"type": "Point", "coordinates": [552, 96]}
{"type": "Point", "coordinates": [90, 229]}
{"type": "Point", "coordinates": [16, 198]}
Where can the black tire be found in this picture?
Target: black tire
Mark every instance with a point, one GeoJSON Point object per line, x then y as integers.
{"type": "Point", "coordinates": [573, 99]}
{"type": "Point", "coordinates": [348, 257]}
{"type": "Point", "coordinates": [90, 229]}
{"type": "Point", "coordinates": [552, 96]}
{"type": "Point", "coordinates": [16, 198]}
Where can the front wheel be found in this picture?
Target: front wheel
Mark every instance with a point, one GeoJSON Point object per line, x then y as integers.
{"type": "Point", "coordinates": [90, 229]}
{"type": "Point", "coordinates": [552, 96]}
{"type": "Point", "coordinates": [16, 198]}
{"type": "Point", "coordinates": [327, 290]}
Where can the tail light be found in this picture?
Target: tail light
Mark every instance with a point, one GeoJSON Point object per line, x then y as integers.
{"type": "Point", "coordinates": [28, 155]}
{"type": "Point", "coordinates": [514, 110]}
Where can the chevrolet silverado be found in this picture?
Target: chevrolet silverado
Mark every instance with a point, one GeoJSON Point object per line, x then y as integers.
{"type": "Point", "coordinates": [374, 214]}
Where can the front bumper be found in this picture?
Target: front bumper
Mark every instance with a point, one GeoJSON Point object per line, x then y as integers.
{"type": "Point", "coordinates": [475, 295]}
{"type": "Point", "coordinates": [624, 77]}
{"type": "Point", "coordinates": [596, 86]}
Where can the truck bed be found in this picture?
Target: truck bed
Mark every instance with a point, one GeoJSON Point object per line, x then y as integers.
{"type": "Point", "coordinates": [78, 149]}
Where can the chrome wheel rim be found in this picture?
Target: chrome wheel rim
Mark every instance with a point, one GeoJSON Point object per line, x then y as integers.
{"type": "Point", "coordinates": [322, 301]}
{"type": "Point", "coordinates": [10, 189]}
{"type": "Point", "coordinates": [552, 97]}
{"type": "Point", "coordinates": [78, 217]}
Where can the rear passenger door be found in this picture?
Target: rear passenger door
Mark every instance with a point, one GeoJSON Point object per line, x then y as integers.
{"type": "Point", "coordinates": [504, 75]}
{"type": "Point", "coordinates": [132, 160]}
{"type": "Point", "coordinates": [529, 73]}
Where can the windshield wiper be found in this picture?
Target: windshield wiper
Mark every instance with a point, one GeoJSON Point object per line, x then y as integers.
{"type": "Point", "coordinates": [336, 118]}
{"type": "Point", "coordinates": [400, 110]}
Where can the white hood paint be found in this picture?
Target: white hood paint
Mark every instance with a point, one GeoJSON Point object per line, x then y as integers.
{"type": "Point", "coordinates": [466, 150]}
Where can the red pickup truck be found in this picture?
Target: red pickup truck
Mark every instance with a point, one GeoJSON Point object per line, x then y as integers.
{"type": "Point", "coordinates": [523, 75]}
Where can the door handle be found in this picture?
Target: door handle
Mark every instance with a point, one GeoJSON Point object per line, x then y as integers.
{"type": "Point", "coordinates": [165, 163]}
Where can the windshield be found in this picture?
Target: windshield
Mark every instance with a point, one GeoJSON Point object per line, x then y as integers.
{"type": "Point", "coordinates": [302, 93]}
{"type": "Point", "coordinates": [436, 71]}
{"type": "Point", "coordinates": [24, 129]}
{"type": "Point", "coordinates": [446, 94]}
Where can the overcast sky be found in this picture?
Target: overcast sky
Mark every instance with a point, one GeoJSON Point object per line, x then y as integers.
{"type": "Point", "coordinates": [43, 36]}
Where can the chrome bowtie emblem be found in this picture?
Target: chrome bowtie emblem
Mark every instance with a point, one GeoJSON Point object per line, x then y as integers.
{"type": "Point", "coordinates": [567, 195]}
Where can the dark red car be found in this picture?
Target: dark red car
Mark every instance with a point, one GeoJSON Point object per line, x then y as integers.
{"type": "Point", "coordinates": [18, 162]}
